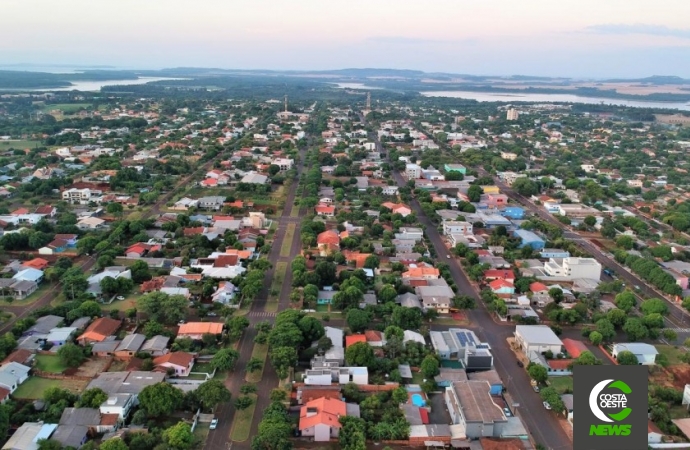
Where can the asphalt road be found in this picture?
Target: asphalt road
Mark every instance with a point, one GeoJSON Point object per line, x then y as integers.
{"type": "Point", "coordinates": [85, 263]}
{"type": "Point", "coordinates": [220, 437]}
{"type": "Point", "coordinates": [677, 318]}
{"type": "Point", "coordinates": [542, 425]}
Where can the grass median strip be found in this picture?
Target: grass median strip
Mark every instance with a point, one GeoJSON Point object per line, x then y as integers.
{"type": "Point", "coordinates": [242, 422]}
{"type": "Point", "coordinates": [276, 285]}
{"type": "Point", "coordinates": [260, 351]}
{"type": "Point", "coordinates": [286, 246]}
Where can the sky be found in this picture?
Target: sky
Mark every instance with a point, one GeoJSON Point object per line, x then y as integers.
{"type": "Point", "coordinates": [570, 38]}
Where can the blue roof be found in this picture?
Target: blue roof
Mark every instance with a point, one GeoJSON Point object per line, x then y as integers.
{"type": "Point", "coordinates": [29, 274]}
{"type": "Point", "coordinates": [527, 236]}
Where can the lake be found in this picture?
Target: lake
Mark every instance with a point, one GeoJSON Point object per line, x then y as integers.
{"type": "Point", "coordinates": [557, 98]}
{"type": "Point", "coordinates": [89, 86]}
{"type": "Point", "coordinates": [354, 86]}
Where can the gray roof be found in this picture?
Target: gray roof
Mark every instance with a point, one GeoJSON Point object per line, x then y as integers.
{"type": "Point", "coordinates": [538, 334]}
{"type": "Point", "coordinates": [27, 436]}
{"type": "Point", "coordinates": [125, 382]}
{"type": "Point", "coordinates": [131, 342]}
{"type": "Point", "coordinates": [405, 370]}
{"type": "Point", "coordinates": [81, 322]}
{"type": "Point", "coordinates": [156, 343]}
{"type": "Point", "coordinates": [80, 416]}
{"type": "Point", "coordinates": [568, 401]}
{"type": "Point", "coordinates": [105, 346]}
{"type": "Point", "coordinates": [45, 324]}
{"type": "Point", "coordinates": [70, 435]}
{"type": "Point", "coordinates": [412, 415]}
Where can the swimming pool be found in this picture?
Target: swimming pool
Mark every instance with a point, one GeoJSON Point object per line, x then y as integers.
{"type": "Point", "coordinates": [418, 400]}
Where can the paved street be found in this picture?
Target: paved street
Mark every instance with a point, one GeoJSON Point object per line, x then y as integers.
{"type": "Point", "coordinates": [678, 318]}
{"type": "Point", "coordinates": [220, 437]}
{"type": "Point", "coordinates": [543, 425]}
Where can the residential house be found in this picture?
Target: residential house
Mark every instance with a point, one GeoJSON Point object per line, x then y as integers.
{"type": "Point", "coordinates": [324, 210]}
{"type": "Point", "coordinates": [29, 274]}
{"type": "Point", "coordinates": [119, 405]}
{"type": "Point", "coordinates": [43, 325]}
{"type": "Point", "coordinates": [502, 287]}
{"type": "Point", "coordinates": [571, 268]}
{"type": "Point", "coordinates": [91, 223]}
{"type": "Point", "coordinates": [12, 375]}
{"type": "Point", "coordinates": [99, 330]}
{"type": "Point", "coordinates": [27, 436]}
{"type": "Point", "coordinates": [456, 227]}
{"type": "Point", "coordinates": [397, 208]}
{"type": "Point", "coordinates": [328, 242]}
{"type": "Point", "coordinates": [320, 419]}
{"type": "Point", "coordinates": [179, 363]}
{"type": "Point", "coordinates": [18, 290]}
{"type": "Point", "coordinates": [129, 346]}
{"type": "Point", "coordinates": [196, 330]}
{"type": "Point", "coordinates": [156, 346]}
{"type": "Point", "coordinates": [568, 402]}
{"type": "Point", "coordinates": [225, 294]}
{"type": "Point", "coordinates": [462, 345]}
{"type": "Point", "coordinates": [60, 336]}
{"type": "Point", "coordinates": [547, 253]}
{"type": "Point", "coordinates": [212, 202]}
{"type": "Point", "coordinates": [470, 403]}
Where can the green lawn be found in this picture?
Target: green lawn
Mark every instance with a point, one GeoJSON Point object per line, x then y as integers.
{"type": "Point", "coordinates": [561, 384]}
{"type": "Point", "coordinates": [201, 433]}
{"type": "Point", "coordinates": [35, 387]}
{"type": "Point", "coordinates": [294, 212]}
{"type": "Point", "coordinates": [286, 246]}
{"type": "Point", "coordinates": [19, 144]}
{"type": "Point", "coordinates": [259, 351]}
{"type": "Point", "coordinates": [40, 292]}
{"type": "Point", "coordinates": [66, 108]}
{"type": "Point", "coordinates": [50, 363]}
{"type": "Point", "coordinates": [276, 285]}
{"type": "Point", "coordinates": [242, 423]}
{"type": "Point", "coordinates": [129, 302]}
{"type": "Point", "coordinates": [202, 367]}
{"type": "Point", "coordinates": [671, 352]}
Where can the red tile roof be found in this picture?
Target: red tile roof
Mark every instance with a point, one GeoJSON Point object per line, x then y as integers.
{"type": "Point", "coordinates": [328, 237]}
{"type": "Point", "coordinates": [500, 274]}
{"type": "Point", "coordinates": [100, 329]}
{"type": "Point", "coordinates": [182, 359]}
{"type": "Point", "coordinates": [498, 284]}
{"type": "Point", "coordinates": [354, 338]}
{"type": "Point", "coordinates": [538, 287]}
{"type": "Point", "coordinates": [373, 336]}
{"type": "Point", "coordinates": [328, 412]}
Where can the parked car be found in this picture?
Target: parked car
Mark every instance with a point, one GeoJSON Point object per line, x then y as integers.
{"type": "Point", "coordinates": [507, 412]}
{"type": "Point", "coordinates": [520, 364]}
{"type": "Point", "coordinates": [448, 256]}
{"type": "Point", "coordinates": [214, 424]}
{"type": "Point", "coordinates": [546, 405]}
{"type": "Point", "coordinates": [536, 389]}
{"type": "Point", "coordinates": [212, 314]}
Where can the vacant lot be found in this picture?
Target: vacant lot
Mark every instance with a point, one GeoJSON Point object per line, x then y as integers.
{"type": "Point", "coordinates": [19, 144]}
{"type": "Point", "coordinates": [92, 367]}
{"type": "Point", "coordinates": [242, 422]}
{"type": "Point", "coordinates": [672, 353]}
{"type": "Point", "coordinates": [34, 387]}
{"type": "Point", "coordinates": [50, 363]}
{"type": "Point", "coordinates": [561, 384]}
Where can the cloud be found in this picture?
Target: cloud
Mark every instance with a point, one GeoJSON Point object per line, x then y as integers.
{"type": "Point", "coordinates": [640, 28]}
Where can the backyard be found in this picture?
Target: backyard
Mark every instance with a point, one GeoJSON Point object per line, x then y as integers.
{"type": "Point", "coordinates": [242, 423]}
{"type": "Point", "coordinates": [671, 352]}
{"type": "Point", "coordinates": [35, 387]}
{"type": "Point", "coordinates": [50, 363]}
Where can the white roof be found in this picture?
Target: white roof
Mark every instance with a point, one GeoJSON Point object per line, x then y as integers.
{"type": "Point", "coordinates": [538, 334]}
{"type": "Point", "coordinates": [410, 335]}
{"type": "Point", "coordinates": [60, 334]}
{"type": "Point", "coordinates": [27, 436]}
{"type": "Point", "coordinates": [636, 348]}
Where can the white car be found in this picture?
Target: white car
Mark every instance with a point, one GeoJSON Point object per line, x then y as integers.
{"type": "Point", "coordinates": [214, 424]}
{"type": "Point", "coordinates": [448, 256]}
{"type": "Point", "coordinates": [546, 405]}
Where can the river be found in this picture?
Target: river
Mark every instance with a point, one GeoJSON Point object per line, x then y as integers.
{"type": "Point", "coordinates": [556, 98]}
{"type": "Point", "coordinates": [534, 98]}
{"type": "Point", "coordinates": [90, 86]}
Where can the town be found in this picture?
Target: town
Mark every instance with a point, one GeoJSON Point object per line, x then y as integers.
{"type": "Point", "coordinates": [333, 268]}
